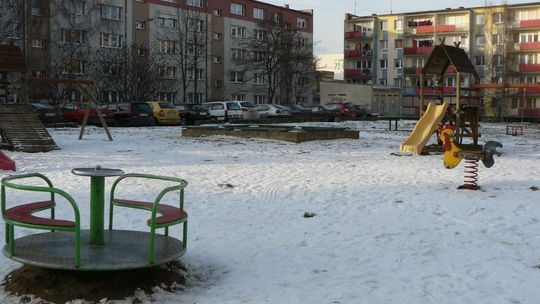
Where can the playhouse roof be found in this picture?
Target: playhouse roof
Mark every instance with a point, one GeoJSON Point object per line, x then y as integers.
{"type": "Point", "coordinates": [11, 59]}
{"type": "Point", "coordinates": [444, 56]}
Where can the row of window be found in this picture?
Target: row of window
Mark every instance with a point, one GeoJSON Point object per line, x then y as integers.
{"type": "Point", "coordinates": [261, 14]}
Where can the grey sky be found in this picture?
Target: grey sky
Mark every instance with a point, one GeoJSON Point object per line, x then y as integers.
{"type": "Point", "coordinates": [329, 14]}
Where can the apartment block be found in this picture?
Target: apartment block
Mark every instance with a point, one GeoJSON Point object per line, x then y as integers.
{"type": "Point", "coordinates": [200, 47]}
{"type": "Point", "coordinates": [501, 41]}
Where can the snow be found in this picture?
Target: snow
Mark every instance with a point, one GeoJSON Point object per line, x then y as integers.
{"type": "Point", "coordinates": [387, 229]}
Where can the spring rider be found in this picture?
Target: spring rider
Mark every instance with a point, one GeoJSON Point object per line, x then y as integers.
{"type": "Point", "coordinates": [453, 154]}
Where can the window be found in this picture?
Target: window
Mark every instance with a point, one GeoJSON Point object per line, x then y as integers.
{"type": "Point", "coordinates": [74, 66]}
{"type": "Point", "coordinates": [450, 82]}
{"type": "Point", "coordinates": [195, 25]}
{"type": "Point", "coordinates": [195, 97]}
{"type": "Point", "coordinates": [258, 78]}
{"type": "Point", "coordinates": [239, 97]}
{"type": "Point", "coordinates": [260, 35]}
{"type": "Point", "coordinates": [497, 39]}
{"type": "Point", "coordinates": [75, 7]}
{"type": "Point", "coordinates": [168, 22]}
{"type": "Point", "coordinates": [140, 25]}
{"type": "Point", "coordinates": [382, 81]}
{"type": "Point", "coordinates": [217, 36]}
{"type": "Point", "coordinates": [259, 13]}
{"type": "Point", "coordinates": [166, 96]}
{"type": "Point", "coordinates": [398, 82]}
{"type": "Point", "coordinates": [166, 46]}
{"type": "Point", "coordinates": [218, 59]}
{"type": "Point", "coordinates": [276, 17]}
{"type": "Point", "coordinates": [384, 63]}
{"type": "Point", "coordinates": [190, 50]}
{"type": "Point", "coordinates": [480, 19]}
{"type": "Point", "coordinates": [398, 24]}
{"type": "Point", "coordinates": [258, 56]}
{"type": "Point", "coordinates": [238, 31]}
{"type": "Point", "coordinates": [37, 11]}
{"type": "Point", "coordinates": [238, 54]}
{"type": "Point", "coordinates": [217, 83]}
{"type": "Point", "coordinates": [73, 36]}
{"type": "Point", "coordinates": [528, 37]}
{"type": "Point", "coordinates": [498, 60]}
{"type": "Point", "coordinates": [113, 70]}
{"type": "Point", "coordinates": [110, 40]}
{"type": "Point", "coordinates": [111, 96]}
{"type": "Point", "coordinates": [198, 73]}
{"type": "Point", "coordinates": [528, 58]}
{"type": "Point", "coordinates": [303, 42]}
{"type": "Point", "coordinates": [167, 72]}
{"type": "Point", "coordinates": [217, 12]}
{"type": "Point", "coordinates": [38, 43]}
{"type": "Point", "coordinates": [259, 99]}
{"type": "Point", "coordinates": [195, 3]}
{"type": "Point", "coordinates": [398, 63]}
{"type": "Point", "coordinates": [13, 30]}
{"type": "Point", "coordinates": [238, 9]}
{"type": "Point", "coordinates": [497, 17]}
{"type": "Point", "coordinates": [398, 43]}
{"type": "Point", "coordinates": [480, 40]}
{"type": "Point", "coordinates": [111, 12]}
{"type": "Point", "coordinates": [301, 23]}
{"type": "Point", "coordinates": [479, 60]}
{"type": "Point", "coordinates": [303, 81]}
{"type": "Point", "coordinates": [237, 77]}
{"type": "Point", "coordinates": [12, 2]}
{"type": "Point", "coordinates": [38, 74]}
{"type": "Point", "coordinates": [141, 51]}
{"type": "Point", "coordinates": [384, 44]}
{"type": "Point", "coordinates": [384, 25]}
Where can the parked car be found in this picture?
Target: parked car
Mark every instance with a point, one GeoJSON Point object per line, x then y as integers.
{"type": "Point", "coordinates": [296, 109]}
{"type": "Point", "coordinates": [361, 110]}
{"type": "Point", "coordinates": [325, 111]}
{"type": "Point", "coordinates": [164, 113]}
{"type": "Point", "coordinates": [74, 112]}
{"type": "Point", "coordinates": [192, 112]}
{"type": "Point", "coordinates": [249, 110]}
{"type": "Point", "coordinates": [47, 113]}
{"type": "Point", "coordinates": [272, 110]}
{"type": "Point", "coordinates": [132, 114]}
{"type": "Point", "coordinates": [344, 108]}
{"type": "Point", "coordinates": [224, 110]}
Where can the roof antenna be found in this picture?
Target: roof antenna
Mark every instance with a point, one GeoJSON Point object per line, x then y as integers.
{"type": "Point", "coordinates": [390, 7]}
{"type": "Point", "coordinates": [355, 7]}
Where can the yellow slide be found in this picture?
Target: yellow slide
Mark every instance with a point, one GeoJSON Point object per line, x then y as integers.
{"type": "Point", "coordinates": [428, 123]}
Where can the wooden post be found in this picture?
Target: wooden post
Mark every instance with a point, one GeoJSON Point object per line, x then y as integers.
{"type": "Point", "coordinates": [92, 100]}
{"type": "Point", "coordinates": [422, 93]}
{"type": "Point", "coordinates": [459, 132]}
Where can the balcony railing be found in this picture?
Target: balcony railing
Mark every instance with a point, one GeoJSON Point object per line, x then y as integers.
{"type": "Point", "coordinates": [529, 23]}
{"type": "Point", "coordinates": [418, 50]}
{"type": "Point", "coordinates": [529, 46]}
{"type": "Point", "coordinates": [428, 90]}
{"type": "Point", "coordinates": [525, 68]}
{"type": "Point", "coordinates": [426, 29]}
{"type": "Point", "coordinates": [357, 72]}
{"type": "Point", "coordinates": [529, 112]}
{"type": "Point", "coordinates": [354, 35]}
{"type": "Point", "coordinates": [527, 91]}
{"type": "Point", "coordinates": [357, 53]}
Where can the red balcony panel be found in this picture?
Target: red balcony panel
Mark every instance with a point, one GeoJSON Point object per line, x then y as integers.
{"type": "Point", "coordinates": [352, 35]}
{"type": "Point", "coordinates": [529, 46]}
{"type": "Point", "coordinates": [524, 68]}
{"type": "Point", "coordinates": [409, 50]}
{"type": "Point", "coordinates": [445, 28]}
{"type": "Point", "coordinates": [353, 53]}
{"type": "Point", "coordinates": [418, 50]}
{"type": "Point", "coordinates": [418, 70]}
{"type": "Point", "coordinates": [424, 29]}
{"type": "Point", "coordinates": [451, 69]}
{"type": "Point", "coordinates": [436, 91]}
{"type": "Point", "coordinates": [353, 72]}
{"type": "Point", "coordinates": [529, 23]}
{"type": "Point", "coordinates": [529, 112]}
{"type": "Point", "coordinates": [530, 91]}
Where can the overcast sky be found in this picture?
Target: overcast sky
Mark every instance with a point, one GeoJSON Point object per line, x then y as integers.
{"type": "Point", "coordinates": [329, 14]}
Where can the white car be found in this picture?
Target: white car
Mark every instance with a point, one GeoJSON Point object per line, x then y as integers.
{"type": "Point", "coordinates": [224, 110]}
{"type": "Point", "coordinates": [249, 110]}
{"type": "Point", "coordinates": [272, 110]}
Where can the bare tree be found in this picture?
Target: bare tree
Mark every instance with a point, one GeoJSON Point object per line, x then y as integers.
{"type": "Point", "coordinates": [282, 55]}
{"type": "Point", "coordinates": [11, 17]}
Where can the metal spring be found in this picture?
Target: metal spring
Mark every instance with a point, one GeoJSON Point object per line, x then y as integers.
{"type": "Point", "coordinates": [471, 173]}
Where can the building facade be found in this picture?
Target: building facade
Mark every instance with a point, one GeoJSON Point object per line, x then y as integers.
{"type": "Point", "coordinates": [174, 50]}
{"type": "Point", "coordinates": [501, 41]}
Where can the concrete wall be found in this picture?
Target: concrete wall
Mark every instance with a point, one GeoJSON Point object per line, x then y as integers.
{"type": "Point", "coordinates": [355, 93]}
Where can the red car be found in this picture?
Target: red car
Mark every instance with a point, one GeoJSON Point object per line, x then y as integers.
{"type": "Point", "coordinates": [344, 108]}
{"type": "Point", "coordinates": [74, 112]}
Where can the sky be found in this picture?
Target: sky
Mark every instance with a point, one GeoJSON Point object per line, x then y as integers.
{"type": "Point", "coordinates": [329, 14]}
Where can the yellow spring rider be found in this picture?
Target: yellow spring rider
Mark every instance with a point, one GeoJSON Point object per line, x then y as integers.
{"type": "Point", "coordinates": [453, 154]}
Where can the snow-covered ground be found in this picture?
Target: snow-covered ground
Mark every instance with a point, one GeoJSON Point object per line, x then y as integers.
{"type": "Point", "coordinates": [387, 229]}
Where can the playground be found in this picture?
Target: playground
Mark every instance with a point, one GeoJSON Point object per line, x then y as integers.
{"type": "Point", "coordinates": [341, 221]}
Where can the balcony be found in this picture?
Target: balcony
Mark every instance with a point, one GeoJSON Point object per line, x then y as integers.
{"type": "Point", "coordinates": [527, 68]}
{"type": "Point", "coordinates": [529, 46]}
{"type": "Point", "coordinates": [353, 35]}
{"type": "Point", "coordinates": [418, 50]}
{"type": "Point", "coordinates": [357, 72]}
{"type": "Point", "coordinates": [428, 29]}
{"type": "Point", "coordinates": [357, 53]}
{"type": "Point", "coordinates": [527, 91]}
{"type": "Point", "coordinates": [529, 112]}
{"type": "Point", "coordinates": [529, 23]}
